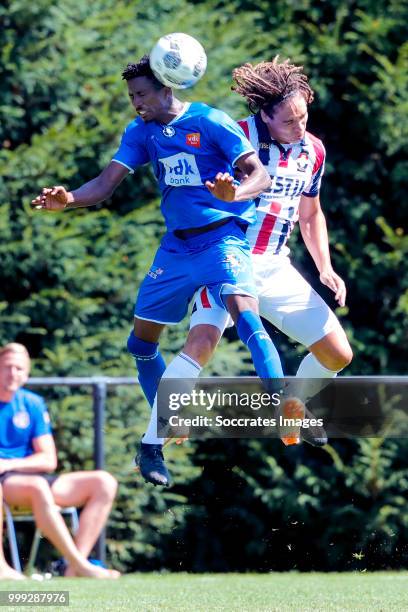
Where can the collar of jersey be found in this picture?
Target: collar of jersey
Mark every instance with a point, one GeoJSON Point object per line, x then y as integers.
{"type": "Point", "coordinates": [264, 135]}
{"type": "Point", "coordinates": [185, 108]}
{"type": "Point", "coordinates": [287, 145]}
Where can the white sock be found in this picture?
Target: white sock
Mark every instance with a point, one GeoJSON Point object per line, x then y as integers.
{"type": "Point", "coordinates": [183, 367]}
{"type": "Point", "coordinates": [311, 368]}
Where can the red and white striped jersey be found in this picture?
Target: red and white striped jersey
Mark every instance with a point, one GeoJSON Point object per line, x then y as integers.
{"type": "Point", "coordinates": [296, 170]}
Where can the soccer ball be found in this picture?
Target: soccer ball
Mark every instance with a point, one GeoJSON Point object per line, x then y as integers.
{"type": "Point", "coordinates": [178, 60]}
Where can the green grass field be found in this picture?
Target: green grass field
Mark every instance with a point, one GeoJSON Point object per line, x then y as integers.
{"type": "Point", "coordinates": [206, 592]}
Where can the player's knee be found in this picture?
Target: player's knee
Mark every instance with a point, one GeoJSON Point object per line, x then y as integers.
{"type": "Point", "coordinates": [38, 489]}
{"type": "Point", "coordinates": [237, 304]}
{"type": "Point", "coordinates": [201, 343]}
{"type": "Point", "coordinates": [339, 359]}
{"type": "Point", "coordinates": [105, 484]}
{"type": "Point", "coordinates": [140, 349]}
{"type": "Point", "coordinates": [346, 356]}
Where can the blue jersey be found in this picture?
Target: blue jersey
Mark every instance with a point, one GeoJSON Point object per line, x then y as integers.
{"type": "Point", "coordinates": [21, 421]}
{"type": "Point", "coordinates": [191, 149]}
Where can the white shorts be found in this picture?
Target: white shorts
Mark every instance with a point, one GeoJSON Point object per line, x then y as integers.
{"type": "Point", "coordinates": [285, 299]}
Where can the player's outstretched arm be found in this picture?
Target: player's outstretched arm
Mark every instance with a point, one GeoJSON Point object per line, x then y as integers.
{"type": "Point", "coordinates": [95, 191]}
{"type": "Point", "coordinates": [256, 180]}
{"type": "Point", "coordinates": [313, 228]}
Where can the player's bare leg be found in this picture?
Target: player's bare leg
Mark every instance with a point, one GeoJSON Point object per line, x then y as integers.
{"type": "Point", "coordinates": [34, 492]}
{"type": "Point", "coordinates": [333, 351]}
{"type": "Point", "coordinates": [94, 492]}
{"type": "Point", "coordinates": [239, 303]}
{"type": "Point", "coordinates": [6, 571]}
{"type": "Point", "coordinates": [9, 573]}
{"type": "Point", "coordinates": [201, 343]}
{"type": "Point", "coordinates": [148, 330]}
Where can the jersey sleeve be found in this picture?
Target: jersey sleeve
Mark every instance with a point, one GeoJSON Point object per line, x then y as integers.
{"type": "Point", "coordinates": [41, 419]}
{"type": "Point", "coordinates": [228, 135]}
{"type": "Point", "coordinates": [132, 152]}
{"type": "Point", "coordinates": [313, 188]}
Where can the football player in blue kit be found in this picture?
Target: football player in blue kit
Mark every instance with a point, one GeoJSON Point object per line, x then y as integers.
{"type": "Point", "coordinates": [278, 94]}
{"type": "Point", "coordinates": [193, 149]}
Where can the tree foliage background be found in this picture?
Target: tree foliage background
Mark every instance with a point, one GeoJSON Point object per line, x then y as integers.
{"type": "Point", "coordinates": [68, 281]}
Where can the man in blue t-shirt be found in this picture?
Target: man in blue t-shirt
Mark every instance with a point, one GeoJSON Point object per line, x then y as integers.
{"type": "Point", "coordinates": [27, 458]}
{"type": "Point", "coordinates": [193, 149]}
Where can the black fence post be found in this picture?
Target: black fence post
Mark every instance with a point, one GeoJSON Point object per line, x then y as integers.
{"type": "Point", "coordinates": [99, 401]}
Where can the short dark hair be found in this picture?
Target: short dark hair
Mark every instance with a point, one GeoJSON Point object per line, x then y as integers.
{"type": "Point", "coordinates": [141, 69]}
{"type": "Point", "coordinates": [267, 84]}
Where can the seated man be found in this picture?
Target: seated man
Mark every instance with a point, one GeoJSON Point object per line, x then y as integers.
{"type": "Point", "coordinates": [28, 456]}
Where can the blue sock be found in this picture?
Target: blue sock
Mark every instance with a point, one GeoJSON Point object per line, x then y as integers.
{"type": "Point", "coordinates": [265, 357]}
{"type": "Point", "coordinates": [150, 365]}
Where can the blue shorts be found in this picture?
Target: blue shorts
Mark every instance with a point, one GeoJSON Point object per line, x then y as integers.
{"type": "Point", "coordinates": [219, 259]}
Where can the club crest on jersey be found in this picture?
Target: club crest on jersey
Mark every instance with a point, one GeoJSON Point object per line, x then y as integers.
{"type": "Point", "coordinates": [155, 272]}
{"type": "Point", "coordinates": [302, 161]}
{"type": "Point", "coordinates": [168, 131]}
{"type": "Point", "coordinates": [234, 264]}
{"type": "Point", "coordinates": [193, 140]}
{"type": "Point", "coordinates": [21, 420]}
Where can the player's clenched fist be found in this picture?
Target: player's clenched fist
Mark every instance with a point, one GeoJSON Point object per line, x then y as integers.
{"type": "Point", "coordinates": [52, 198]}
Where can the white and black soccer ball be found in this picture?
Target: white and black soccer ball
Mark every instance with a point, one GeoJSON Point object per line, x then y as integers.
{"type": "Point", "coordinates": [178, 60]}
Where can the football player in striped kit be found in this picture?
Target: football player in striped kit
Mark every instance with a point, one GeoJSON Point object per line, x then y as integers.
{"type": "Point", "coordinates": [278, 95]}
